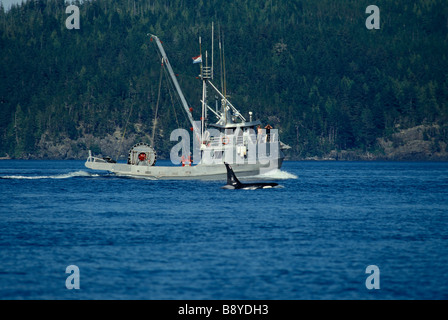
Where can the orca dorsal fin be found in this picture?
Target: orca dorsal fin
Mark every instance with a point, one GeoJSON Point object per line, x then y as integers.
{"type": "Point", "coordinates": [231, 177]}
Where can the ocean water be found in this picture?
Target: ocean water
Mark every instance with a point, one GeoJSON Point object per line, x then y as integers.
{"type": "Point", "coordinates": [313, 238]}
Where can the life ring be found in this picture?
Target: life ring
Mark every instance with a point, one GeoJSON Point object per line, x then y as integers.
{"type": "Point", "coordinates": [225, 140]}
{"type": "Point", "coordinates": [142, 156]}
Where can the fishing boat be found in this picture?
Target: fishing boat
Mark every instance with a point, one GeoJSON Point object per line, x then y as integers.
{"type": "Point", "coordinates": [244, 143]}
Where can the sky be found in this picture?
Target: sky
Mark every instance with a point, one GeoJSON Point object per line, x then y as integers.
{"type": "Point", "coordinates": [7, 3]}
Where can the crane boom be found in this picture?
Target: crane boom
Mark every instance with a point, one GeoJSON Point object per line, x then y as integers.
{"type": "Point", "coordinates": [176, 84]}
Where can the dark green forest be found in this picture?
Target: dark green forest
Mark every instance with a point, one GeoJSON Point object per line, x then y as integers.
{"type": "Point", "coordinates": [309, 68]}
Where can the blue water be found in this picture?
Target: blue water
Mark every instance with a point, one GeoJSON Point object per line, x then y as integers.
{"type": "Point", "coordinates": [144, 239]}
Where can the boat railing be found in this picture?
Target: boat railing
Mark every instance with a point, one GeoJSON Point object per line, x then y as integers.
{"type": "Point", "coordinates": [271, 137]}
{"type": "Point", "coordinates": [94, 159]}
{"type": "Point", "coordinates": [242, 139]}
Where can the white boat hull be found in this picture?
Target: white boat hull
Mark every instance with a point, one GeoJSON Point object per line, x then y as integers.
{"type": "Point", "coordinates": [199, 171]}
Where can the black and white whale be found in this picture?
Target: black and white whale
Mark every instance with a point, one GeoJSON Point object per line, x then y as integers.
{"type": "Point", "coordinates": [234, 183]}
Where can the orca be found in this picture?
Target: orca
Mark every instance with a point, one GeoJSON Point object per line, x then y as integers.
{"type": "Point", "coordinates": [234, 183]}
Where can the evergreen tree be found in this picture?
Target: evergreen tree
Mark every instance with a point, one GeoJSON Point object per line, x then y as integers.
{"type": "Point", "coordinates": [311, 68]}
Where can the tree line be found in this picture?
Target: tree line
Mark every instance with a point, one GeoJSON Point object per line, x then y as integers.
{"type": "Point", "coordinates": [309, 68]}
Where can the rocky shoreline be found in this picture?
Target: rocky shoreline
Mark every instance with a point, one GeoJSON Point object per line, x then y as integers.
{"type": "Point", "coordinates": [420, 143]}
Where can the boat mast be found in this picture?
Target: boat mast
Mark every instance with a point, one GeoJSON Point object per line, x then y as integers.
{"type": "Point", "coordinates": [224, 104]}
{"type": "Point", "coordinates": [204, 93]}
{"type": "Point", "coordinates": [213, 40]}
{"type": "Point", "coordinates": [176, 84]}
{"type": "Point", "coordinates": [206, 75]}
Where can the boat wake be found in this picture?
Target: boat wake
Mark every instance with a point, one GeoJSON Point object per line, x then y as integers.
{"type": "Point", "coordinates": [276, 174]}
{"type": "Point", "coordinates": [57, 176]}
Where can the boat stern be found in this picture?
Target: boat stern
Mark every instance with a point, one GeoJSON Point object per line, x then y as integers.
{"type": "Point", "coordinates": [96, 163]}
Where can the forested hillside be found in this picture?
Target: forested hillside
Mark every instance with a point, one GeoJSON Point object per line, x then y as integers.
{"type": "Point", "coordinates": [309, 68]}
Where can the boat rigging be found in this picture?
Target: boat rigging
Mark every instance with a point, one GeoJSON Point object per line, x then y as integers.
{"type": "Point", "coordinates": [232, 138]}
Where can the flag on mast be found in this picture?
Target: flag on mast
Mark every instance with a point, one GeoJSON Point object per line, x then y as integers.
{"type": "Point", "coordinates": [197, 59]}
